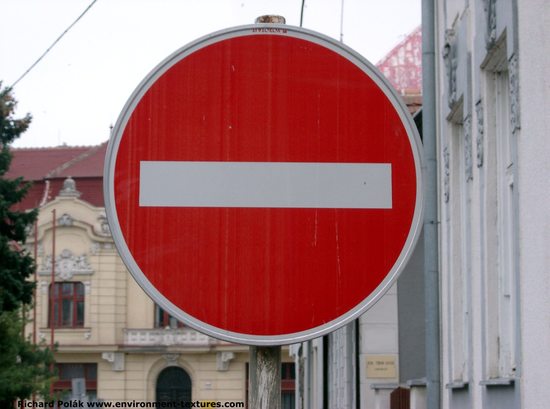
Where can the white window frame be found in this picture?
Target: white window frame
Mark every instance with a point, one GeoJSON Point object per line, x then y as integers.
{"type": "Point", "coordinates": [457, 251]}
{"type": "Point", "coordinates": [500, 245]}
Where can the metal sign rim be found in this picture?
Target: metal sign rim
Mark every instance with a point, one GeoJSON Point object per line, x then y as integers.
{"type": "Point", "coordinates": [165, 65]}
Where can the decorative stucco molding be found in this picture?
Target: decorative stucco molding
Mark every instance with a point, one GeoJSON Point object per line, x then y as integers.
{"type": "Point", "coordinates": [513, 76]}
{"type": "Point", "coordinates": [66, 265]}
{"type": "Point", "coordinates": [43, 286]}
{"type": "Point", "coordinates": [171, 359]}
{"type": "Point", "coordinates": [491, 27]}
{"type": "Point", "coordinates": [69, 188]}
{"type": "Point", "coordinates": [65, 220]}
{"type": "Point", "coordinates": [446, 174]}
{"type": "Point", "coordinates": [479, 135]}
{"type": "Point", "coordinates": [116, 359]}
{"type": "Point", "coordinates": [165, 337]}
{"type": "Point", "coordinates": [96, 247]}
{"type": "Point", "coordinates": [467, 127]}
{"type": "Point", "coordinates": [104, 228]}
{"type": "Point", "coordinates": [451, 62]}
{"type": "Point", "coordinates": [223, 359]}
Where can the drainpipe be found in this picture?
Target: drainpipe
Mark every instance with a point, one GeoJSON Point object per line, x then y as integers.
{"type": "Point", "coordinates": [51, 294]}
{"type": "Point", "coordinates": [431, 241]}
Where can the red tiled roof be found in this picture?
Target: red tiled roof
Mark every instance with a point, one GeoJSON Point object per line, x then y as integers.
{"type": "Point", "coordinates": [89, 164]}
{"type": "Point", "coordinates": [61, 161]}
{"type": "Point", "coordinates": [47, 168]}
{"type": "Point", "coordinates": [33, 198]}
{"type": "Point", "coordinates": [36, 163]}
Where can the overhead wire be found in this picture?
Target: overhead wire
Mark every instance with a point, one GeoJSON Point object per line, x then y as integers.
{"type": "Point", "coordinates": [342, 22]}
{"type": "Point", "coordinates": [341, 18]}
{"type": "Point", "coordinates": [302, 12]}
{"type": "Point", "coordinates": [54, 43]}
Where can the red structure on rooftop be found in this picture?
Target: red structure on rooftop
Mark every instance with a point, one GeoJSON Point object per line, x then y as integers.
{"type": "Point", "coordinates": [402, 66]}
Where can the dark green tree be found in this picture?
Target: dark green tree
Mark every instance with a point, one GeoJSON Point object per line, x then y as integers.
{"type": "Point", "coordinates": [24, 367]}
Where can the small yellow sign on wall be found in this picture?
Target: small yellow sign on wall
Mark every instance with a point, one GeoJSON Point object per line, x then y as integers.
{"type": "Point", "coordinates": [381, 366]}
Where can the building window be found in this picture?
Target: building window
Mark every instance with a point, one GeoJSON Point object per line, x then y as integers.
{"type": "Point", "coordinates": [67, 301]}
{"type": "Point", "coordinates": [165, 320]}
{"type": "Point", "coordinates": [500, 225]}
{"type": "Point", "coordinates": [66, 372]}
{"type": "Point", "coordinates": [288, 385]}
{"type": "Point", "coordinates": [456, 248]}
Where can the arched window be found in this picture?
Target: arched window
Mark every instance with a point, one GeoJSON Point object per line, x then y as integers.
{"type": "Point", "coordinates": [67, 302]}
{"type": "Point", "coordinates": [174, 385]}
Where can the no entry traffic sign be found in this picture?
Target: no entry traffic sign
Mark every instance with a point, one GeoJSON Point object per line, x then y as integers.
{"type": "Point", "coordinates": [263, 185]}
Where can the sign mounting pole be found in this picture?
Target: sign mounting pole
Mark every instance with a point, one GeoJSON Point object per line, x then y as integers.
{"type": "Point", "coordinates": [265, 377]}
{"type": "Point", "coordinates": [265, 361]}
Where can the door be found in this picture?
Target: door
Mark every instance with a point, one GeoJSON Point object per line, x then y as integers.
{"type": "Point", "coordinates": [174, 385]}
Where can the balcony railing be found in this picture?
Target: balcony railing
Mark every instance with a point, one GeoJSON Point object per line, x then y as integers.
{"type": "Point", "coordinates": [186, 337]}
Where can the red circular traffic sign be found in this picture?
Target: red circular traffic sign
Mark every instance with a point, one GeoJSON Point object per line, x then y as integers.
{"type": "Point", "coordinates": [263, 185]}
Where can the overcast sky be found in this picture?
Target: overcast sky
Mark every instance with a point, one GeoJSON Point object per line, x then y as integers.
{"type": "Point", "coordinates": [79, 88]}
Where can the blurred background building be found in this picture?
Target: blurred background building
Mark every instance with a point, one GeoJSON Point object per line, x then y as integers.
{"type": "Point", "coordinates": [107, 330]}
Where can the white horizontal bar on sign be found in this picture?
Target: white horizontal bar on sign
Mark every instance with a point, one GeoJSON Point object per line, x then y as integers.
{"type": "Point", "coordinates": [265, 184]}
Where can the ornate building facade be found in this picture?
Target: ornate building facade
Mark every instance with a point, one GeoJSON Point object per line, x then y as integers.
{"type": "Point", "coordinates": [108, 332]}
{"type": "Point", "coordinates": [492, 103]}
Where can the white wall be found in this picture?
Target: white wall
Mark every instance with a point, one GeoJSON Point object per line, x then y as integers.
{"type": "Point", "coordinates": [534, 200]}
